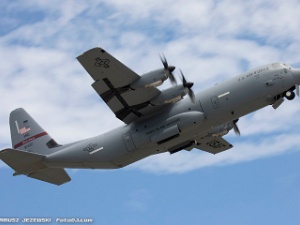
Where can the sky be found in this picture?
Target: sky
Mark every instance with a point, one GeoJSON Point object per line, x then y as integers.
{"type": "Point", "coordinates": [256, 182]}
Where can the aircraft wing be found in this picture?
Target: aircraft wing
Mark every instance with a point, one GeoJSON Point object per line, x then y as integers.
{"type": "Point", "coordinates": [112, 80]}
{"type": "Point", "coordinates": [212, 145]}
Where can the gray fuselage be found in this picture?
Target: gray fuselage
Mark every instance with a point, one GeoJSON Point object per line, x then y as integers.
{"type": "Point", "coordinates": [178, 125]}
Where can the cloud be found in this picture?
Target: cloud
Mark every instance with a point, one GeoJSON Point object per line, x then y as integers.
{"type": "Point", "coordinates": [243, 151]}
{"type": "Point", "coordinates": [210, 41]}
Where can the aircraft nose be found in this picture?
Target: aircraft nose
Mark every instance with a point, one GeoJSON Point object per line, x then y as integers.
{"type": "Point", "coordinates": [296, 75]}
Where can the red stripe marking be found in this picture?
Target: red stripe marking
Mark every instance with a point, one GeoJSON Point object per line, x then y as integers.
{"type": "Point", "coordinates": [30, 139]}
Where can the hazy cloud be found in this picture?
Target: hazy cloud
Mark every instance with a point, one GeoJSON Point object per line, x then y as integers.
{"type": "Point", "coordinates": [209, 40]}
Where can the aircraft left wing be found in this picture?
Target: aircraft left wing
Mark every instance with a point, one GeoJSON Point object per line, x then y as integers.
{"type": "Point", "coordinates": [212, 145]}
{"type": "Point", "coordinates": [112, 83]}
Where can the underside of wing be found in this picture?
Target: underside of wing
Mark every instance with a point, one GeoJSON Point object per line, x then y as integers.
{"type": "Point", "coordinates": [112, 83]}
{"type": "Point", "coordinates": [212, 145]}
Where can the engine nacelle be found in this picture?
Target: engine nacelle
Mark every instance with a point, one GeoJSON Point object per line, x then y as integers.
{"type": "Point", "coordinates": [170, 95]}
{"type": "Point", "coordinates": [173, 126]}
{"type": "Point", "coordinates": [221, 130]}
{"type": "Point", "coordinates": [151, 79]}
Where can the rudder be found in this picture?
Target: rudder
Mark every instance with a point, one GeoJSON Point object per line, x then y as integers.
{"type": "Point", "coordinates": [28, 135]}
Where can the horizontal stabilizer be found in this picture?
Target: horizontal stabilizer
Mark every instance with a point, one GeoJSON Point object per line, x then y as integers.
{"type": "Point", "coordinates": [31, 164]}
{"type": "Point", "coordinates": [51, 175]}
{"type": "Point", "coordinates": [22, 162]}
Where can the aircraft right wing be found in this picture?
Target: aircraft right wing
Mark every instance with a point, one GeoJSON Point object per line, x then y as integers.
{"type": "Point", "coordinates": [112, 83]}
{"type": "Point", "coordinates": [212, 145]}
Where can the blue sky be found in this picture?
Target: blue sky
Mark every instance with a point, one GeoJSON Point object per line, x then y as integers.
{"type": "Point", "coordinates": [255, 182]}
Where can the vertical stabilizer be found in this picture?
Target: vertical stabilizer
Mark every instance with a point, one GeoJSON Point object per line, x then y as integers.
{"type": "Point", "coordinates": [27, 135]}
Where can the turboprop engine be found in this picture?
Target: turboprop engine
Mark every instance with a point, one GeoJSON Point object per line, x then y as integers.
{"type": "Point", "coordinates": [156, 77]}
{"type": "Point", "coordinates": [175, 93]}
{"type": "Point", "coordinates": [152, 79]}
{"type": "Point", "coordinates": [223, 129]}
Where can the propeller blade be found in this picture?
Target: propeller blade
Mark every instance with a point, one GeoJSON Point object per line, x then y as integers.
{"type": "Point", "coordinates": [188, 87]}
{"type": "Point", "coordinates": [168, 69]}
{"type": "Point", "coordinates": [184, 82]}
{"type": "Point", "coordinates": [235, 127]}
{"type": "Point", "coordinates": [191, 95]}
{"type": "Point", "coordinates": [164, 60]}
{"type": "Point", "coordinates": [297, 90]}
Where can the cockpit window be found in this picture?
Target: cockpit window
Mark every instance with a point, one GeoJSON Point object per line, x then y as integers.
{"type": "Point", "coordinates": [276, 65]}
{"type": "Point", "coordinates": [279, 65]}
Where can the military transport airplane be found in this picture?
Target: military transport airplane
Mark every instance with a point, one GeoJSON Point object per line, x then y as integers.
{"type": "Point", "coordinates": [155, 121]}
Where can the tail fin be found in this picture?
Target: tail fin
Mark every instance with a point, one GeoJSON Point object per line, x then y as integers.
{"type": "Point", "coordinates": [27, 135]}
{"type": "Point", "coordinates": [30, 146]}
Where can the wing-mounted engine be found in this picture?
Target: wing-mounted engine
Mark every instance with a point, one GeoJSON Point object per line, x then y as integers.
{"type": "Point", "coordinates": [152, 79]}
{"type": "Point", "coordinates": [156, 77]}
{"type": "Point", "coordinates": [126, 93]}
{"type": "Point", "coordinates": [175, 93]}
{"type": "Point", "coordinates": [170, 95]}
{"type": "Point", "coordinates": [223, 129]}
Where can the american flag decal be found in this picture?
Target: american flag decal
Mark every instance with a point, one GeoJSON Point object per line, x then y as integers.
{"type": "Point", "coordinates": [24, 130]}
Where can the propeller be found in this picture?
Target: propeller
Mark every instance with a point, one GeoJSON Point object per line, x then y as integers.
{"type": "Point", "coordinates": [168, 69]}
{"type": "Point", "coordinates": [235, 127]}
{"type": "Point", "coordinates": [188, 87]}
{"type": "Point", "coordinates": [297, 90]}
